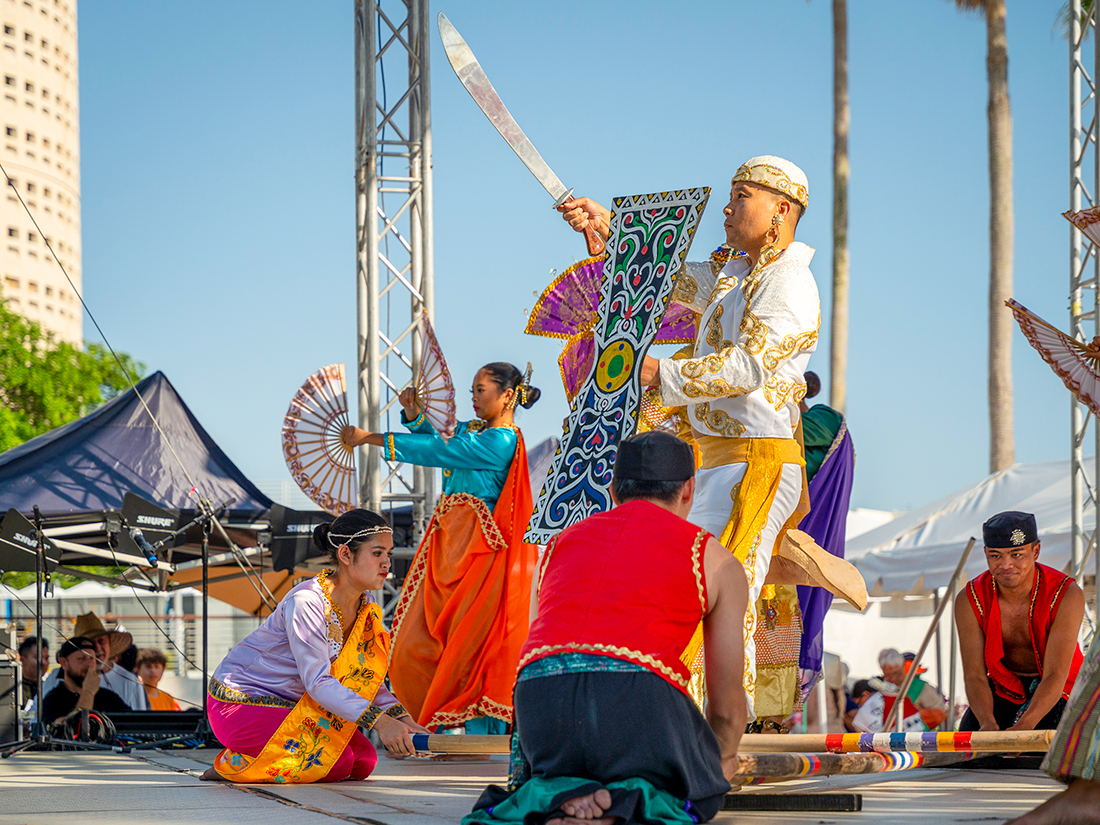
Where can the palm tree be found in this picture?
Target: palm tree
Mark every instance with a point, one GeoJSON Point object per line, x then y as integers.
{"type": "Point", "coordinates": [838, 345]}
{"type": "Point", "coordinates": [1001, 444]}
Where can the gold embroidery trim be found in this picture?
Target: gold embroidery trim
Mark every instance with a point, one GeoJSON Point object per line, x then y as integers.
{"type": "Point", "coordinates": [483, 707]}
{"type": "Point", "coordinates": [633, 655]}
{"type": "Point", "coordinates": [224, 693]}
{"type": "Point", "coordinates": [719, 421]}
{"type": "Point", "coordinates": [545, 563]}
{"type": "Point", "coordinates": [697, 567]}
{"type": "Point", "coordinates": [778, 392]}
{"type": "Point", "coordinates": [686, 289]}
{"type": "Point", "coordinates": [790, 345]}
{"type": "Point", "coordinates": [391, 453]}
{"type": "Point", "coordinates": [756, 331]}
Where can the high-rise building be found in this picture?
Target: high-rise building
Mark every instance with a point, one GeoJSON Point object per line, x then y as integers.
{"type": "Point", "coordinates": [40, 115]}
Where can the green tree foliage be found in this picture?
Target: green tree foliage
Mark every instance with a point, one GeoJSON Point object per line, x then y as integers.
{"type": "Point", "coordinates": [45, 383]}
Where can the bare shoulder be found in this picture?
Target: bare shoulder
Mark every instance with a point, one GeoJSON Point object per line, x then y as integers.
{"type": "Point", "coordinates": [723, 571]}
{"type": "Point", "coordinates": [1074, 597]}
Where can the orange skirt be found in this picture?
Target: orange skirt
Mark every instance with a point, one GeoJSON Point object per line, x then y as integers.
{"type": "Point", "coordinates": [464, 610]}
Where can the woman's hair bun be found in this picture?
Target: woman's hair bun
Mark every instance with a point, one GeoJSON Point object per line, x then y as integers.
{"type": "Point", "coordinates": [532, 395]}
{"type": "Point", "coordinates": [320, 537]}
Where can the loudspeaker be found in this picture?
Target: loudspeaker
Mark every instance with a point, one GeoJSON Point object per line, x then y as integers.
{"type": "Point", "coordinates": [292, 535]}
{"type": "Point", "coordinates": [10, 690]}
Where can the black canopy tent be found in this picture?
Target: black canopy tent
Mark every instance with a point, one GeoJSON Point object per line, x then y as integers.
{"type": "Point", "coordinates": [80, 475]}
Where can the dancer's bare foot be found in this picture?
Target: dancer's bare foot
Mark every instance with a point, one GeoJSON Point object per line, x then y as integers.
{"type": "Point", "coordinates": [1079, 804]}
{"type": "Point", "coordinates": [211, 775]}
{"type": "Point", "coordinates": [588, 808]}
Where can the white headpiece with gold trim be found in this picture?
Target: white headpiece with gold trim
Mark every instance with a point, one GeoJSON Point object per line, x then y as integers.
{"type": "Point", "coordinates": [776, 173]}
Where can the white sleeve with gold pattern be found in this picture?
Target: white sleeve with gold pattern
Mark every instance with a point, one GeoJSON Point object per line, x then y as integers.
{"type": "Point", "coordinates": [781, 320]}
{"type": "Point", "coordinates": [694, 285]}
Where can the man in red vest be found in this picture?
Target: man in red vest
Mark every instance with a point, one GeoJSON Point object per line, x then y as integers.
{"type": "Point", "coordinates": [605, 727]}
{"type": "Point", "coordinates": [1018, 625]}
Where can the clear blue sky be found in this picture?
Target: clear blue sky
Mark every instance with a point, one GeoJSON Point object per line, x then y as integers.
{"type": "Point", "coordinates": [218, 201]}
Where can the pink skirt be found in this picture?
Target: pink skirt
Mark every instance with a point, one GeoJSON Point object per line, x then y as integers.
{"type": "Point", "coordinates": [247, 728]}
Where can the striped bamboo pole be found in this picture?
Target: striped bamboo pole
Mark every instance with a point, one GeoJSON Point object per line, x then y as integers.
{"type": "Point", "coordinates": [758, 768]}
{"type": "Point", "coordinates": [1032, 741]}
{"type": "Point", "coordinates": [1000, 741]}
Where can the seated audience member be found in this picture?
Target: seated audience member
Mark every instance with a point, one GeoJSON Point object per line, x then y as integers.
{"type": "Point", "coordinates": [127, 659]}
{"type": "Point", "coordinates": [929, 701]}
{"type": "Point", "coordinates": [1018, 625]}
{"type": "Point", "coordinates": [861, 692]}
{"type": "Point", "coordinates": [605, 726]}
{"type": "Point", "coordinates": [79, 686]}
{"type": "Point", "coordinates": [109, 644]}
{"type": "Point", "coordinates": [150, 669]}
{"type": "Point", "coordinates": [922, 707]}
{"type": "Point", "coordinates": [34, 664]}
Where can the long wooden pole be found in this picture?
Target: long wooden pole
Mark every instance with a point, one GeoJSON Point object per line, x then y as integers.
{"type": "Point", "coordinates": [912, 674]}
{"type": "Point", "coordinates": [755, 744]}
{"type": "Point", "coordinates": [759, 768]}
{"type": "Point", "coordinates": [994, 741]}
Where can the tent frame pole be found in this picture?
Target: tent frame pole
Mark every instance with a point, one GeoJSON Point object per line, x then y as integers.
{"type": "Point", "coordinates": [896, 716]}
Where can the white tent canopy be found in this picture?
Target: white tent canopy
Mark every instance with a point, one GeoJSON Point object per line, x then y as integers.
{"type": "Point", "coordinates": [918, 551]}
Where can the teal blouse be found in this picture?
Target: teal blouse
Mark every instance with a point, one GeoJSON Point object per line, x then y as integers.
{"type": "Point", "coordinates": [474, 460]}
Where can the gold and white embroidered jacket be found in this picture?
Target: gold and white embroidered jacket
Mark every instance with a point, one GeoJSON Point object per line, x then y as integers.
{"type": "Point", "coordinates": [754, 342]}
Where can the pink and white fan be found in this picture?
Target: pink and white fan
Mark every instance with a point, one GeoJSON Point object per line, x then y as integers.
{"type": "Point", "coordinates": [1088, 221]}
{"type": "Point", "coordinates": [322, 466]}
{"type": "Point", "coordinates": [435, 391]}
{"type": "Point", "coordinates": [1075, 362]}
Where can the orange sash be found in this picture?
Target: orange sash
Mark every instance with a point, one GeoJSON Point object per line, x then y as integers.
{"type": "Point", "coordinates": [464, 609]}
{"type": "Point", "coordinates": [310, 740]}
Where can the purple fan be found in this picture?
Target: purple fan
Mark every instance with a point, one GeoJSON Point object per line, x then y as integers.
{"type": "Point", "coordinates": [569, 308]}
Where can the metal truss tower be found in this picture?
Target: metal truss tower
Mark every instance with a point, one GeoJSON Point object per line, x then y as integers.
{"type": "Point", "coordinates": [393, 218]}
{"type": "Point", "coordinates": [1084, 275]}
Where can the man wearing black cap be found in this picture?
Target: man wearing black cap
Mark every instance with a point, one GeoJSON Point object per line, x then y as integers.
{"type": "Point", "coordinates": [605, 725]}
{"type": "Point", "coordinates": [1018, 625]}
{"type": "Point", "coordinates": [79, 687]}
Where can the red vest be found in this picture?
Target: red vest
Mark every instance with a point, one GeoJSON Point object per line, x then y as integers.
{"type": "Point", "coordinates": [626, 584]}
{"type": "Point", "coordinates": [1046, 596]}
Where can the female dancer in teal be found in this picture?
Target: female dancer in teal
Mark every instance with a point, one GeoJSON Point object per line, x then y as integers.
{"type": "Point", "coordinates": [463, 612]}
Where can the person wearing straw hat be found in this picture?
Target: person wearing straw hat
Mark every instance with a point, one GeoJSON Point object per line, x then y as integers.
{"type": "Point", "coordinates": [1018, 624]}
{"type": "Point", "coordinates": [759, 317]}
{"type": "Point", "coordinates": [108, 644]}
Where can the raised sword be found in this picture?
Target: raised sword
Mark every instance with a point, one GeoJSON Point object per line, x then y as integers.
{"type": "Point", "coordinates": [472, 76]}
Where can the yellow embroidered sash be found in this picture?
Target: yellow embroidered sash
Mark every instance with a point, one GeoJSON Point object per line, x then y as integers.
{"type": "Point", "coordinates": [751, 505]}
{"type": "Point", "coordinates": [310, 740]}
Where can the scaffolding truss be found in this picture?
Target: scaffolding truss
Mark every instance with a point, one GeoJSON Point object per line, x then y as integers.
{"type": "Point", "coordinates": [1084, 266]}
{"type": "Point", "coordinates": [393, 217]}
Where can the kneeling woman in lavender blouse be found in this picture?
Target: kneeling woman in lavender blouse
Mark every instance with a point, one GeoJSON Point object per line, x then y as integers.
{"type": "Point", "coordinates": [288, 702]}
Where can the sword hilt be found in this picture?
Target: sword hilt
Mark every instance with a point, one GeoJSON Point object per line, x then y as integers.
{"type": "Point", "coordinates": [596, 244]}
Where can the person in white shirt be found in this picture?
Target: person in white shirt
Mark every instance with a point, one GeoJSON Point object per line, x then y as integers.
{"type": "Point", "coordinates": [759, 317]}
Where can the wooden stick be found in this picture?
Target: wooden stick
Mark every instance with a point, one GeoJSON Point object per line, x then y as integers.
{"type": "Point", "coordinates": [999, 741]}
{"type": "Point", "coordinates": [1029, 741]}
{"type": "Point", "coordinates": [468, 743]}
{"type": "Point", "coordinates": [776, 767]}
{"type": "Point", "coordinates": [896, 709]}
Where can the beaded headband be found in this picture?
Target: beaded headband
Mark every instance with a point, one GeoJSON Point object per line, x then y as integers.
{"type": "Point", "coordinates": [778, 174]}
{"type": "Point", "coordinates": [337, 539]}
